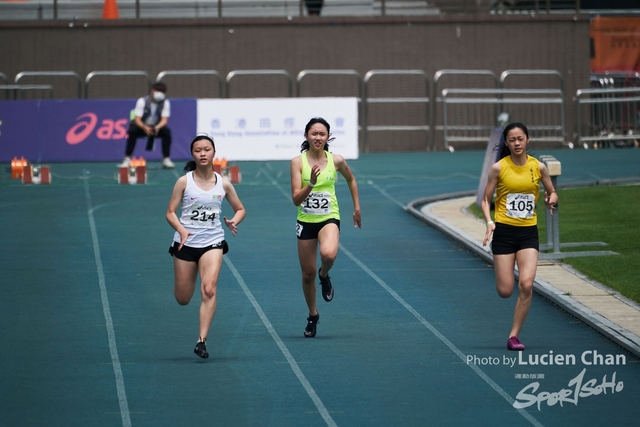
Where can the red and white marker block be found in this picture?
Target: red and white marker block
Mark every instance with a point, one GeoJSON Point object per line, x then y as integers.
{"type": "Point", "coordinates": [234, 174]}
{"type": "Point", "coordinates": [34, 174]}
{"type": "Point", "coordinates": [231, 172]}
{"type": "Point", "coordinates": [136, 173]}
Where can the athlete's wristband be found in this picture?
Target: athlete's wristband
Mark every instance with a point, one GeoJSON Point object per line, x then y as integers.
{"type": "Point", "coordinates": [311, 184]}
{"type": "Point", "coordinates": [489, 223]}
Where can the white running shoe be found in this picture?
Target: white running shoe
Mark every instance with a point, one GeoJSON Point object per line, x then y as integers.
{"type": "Point", "coordinates": [125, 163]}
{"type": "Point", "coordinates": [167, 163]}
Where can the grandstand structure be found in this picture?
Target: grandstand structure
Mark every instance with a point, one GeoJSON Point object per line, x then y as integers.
{"type": "Point", "coordinates": [145, 9]}
{"type": "Point", "coordinates": [429, 75]}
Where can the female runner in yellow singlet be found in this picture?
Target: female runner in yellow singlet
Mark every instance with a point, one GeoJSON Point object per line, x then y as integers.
{"type": "Point", "coordinates": [516, 177]}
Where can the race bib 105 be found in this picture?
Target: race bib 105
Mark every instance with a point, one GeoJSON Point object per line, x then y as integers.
{"type": "Point", "coordinates": [520, 205]}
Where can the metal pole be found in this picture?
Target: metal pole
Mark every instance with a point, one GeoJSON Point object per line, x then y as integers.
{"type": "Point", "coordinates": [549, 219]}
{"type": "Point", "coordinates": [578, 121]}
{"type": "Point", "coordinates": [556, 222]}
{"type": "Point", "coordinates": [365, 114]}
{"type": "Point", "coordinates": [553, 225]}
{"type": "Point", "coordinates": [444, 118]}
{"type": "Point", "coordinates": [553, 220]}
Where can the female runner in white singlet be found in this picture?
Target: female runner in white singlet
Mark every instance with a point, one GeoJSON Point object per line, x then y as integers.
{"type": "Point", "coordinates": [198, 243]}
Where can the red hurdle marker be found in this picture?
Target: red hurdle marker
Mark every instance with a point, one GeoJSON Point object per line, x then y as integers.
{"type": "Point", "coordinates": [34, 174]}
{"type": "Point", "coordinates": [234, 174]}
{"type": "Point", "coordinates": [136, 173]}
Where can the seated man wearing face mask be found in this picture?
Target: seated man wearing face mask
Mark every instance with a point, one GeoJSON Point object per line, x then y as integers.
{"type": "Point", "coordinates": [151, 117]}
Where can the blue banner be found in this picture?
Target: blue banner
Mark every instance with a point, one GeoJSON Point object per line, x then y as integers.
{"type": "Point", "coordinates": [85, 130]}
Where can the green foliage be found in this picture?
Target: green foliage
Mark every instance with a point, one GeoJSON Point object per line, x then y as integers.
{"type": "Point", "coordinates": [605, 214]}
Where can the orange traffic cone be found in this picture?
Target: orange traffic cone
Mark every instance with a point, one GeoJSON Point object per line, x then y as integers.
{"type": "Point", "coordinates": [110, 10]}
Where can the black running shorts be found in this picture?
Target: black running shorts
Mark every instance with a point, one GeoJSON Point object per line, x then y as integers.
{"type": "Point", "coordinates": [187, 253]}
{"type": "Point", "coordinates": [509, 239]}
{"type": "Point", "coordinates": [310, 230]}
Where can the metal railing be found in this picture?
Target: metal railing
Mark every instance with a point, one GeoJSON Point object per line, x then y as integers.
{"type": "Point", "coordinates": [536, 6]}
{"type": "Point", "coordinates": [467, 118]}
{"type": "Point", "coordinates": [615, 79]}
{"type": "Point", "coordinates": [606, 115]}
{"type": "Point", "coordinates": [349, 73]}
{"type": "Point", "coordinates": [614, 117]}
{"type": "Point", "coordinates": [21, 89]}
{"type": "Point", "coordinates": [367, 101]}
{"type": "Point", "coordinates": [71, 74]}
{"type": "Point", "coordinates": [212, 73]}
{"type": "Point", "coordinates": [331, 76]}
{"type": "Point", "coordinates": [133, 73]}
{"type": "Point", "coordinates": [146, 9]}
{"type": "Point", "coordinates": [282, 73]}
{"type": "Point", "coordinates": [479, 78]}
{"type": "Point", "coordinates": [554, 74]}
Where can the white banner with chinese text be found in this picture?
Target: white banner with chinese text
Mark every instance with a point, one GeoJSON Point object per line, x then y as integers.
{"type": "Point", "coordinates": [273, 128]}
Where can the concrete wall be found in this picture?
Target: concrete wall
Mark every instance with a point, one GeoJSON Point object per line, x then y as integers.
{"type": "Point", "coordinates": [430, 44]}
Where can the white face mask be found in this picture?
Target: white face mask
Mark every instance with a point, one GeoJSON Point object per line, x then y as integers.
{"type": "Point", "coordinates": [158, 96]}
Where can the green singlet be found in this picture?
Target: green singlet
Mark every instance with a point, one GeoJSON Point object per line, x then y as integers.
{"type": "Point", "coordinates": [322, 203]}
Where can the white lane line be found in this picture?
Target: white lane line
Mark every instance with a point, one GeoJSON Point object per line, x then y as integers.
{"type": "Point", "coordinates": [437, 333]}
{"type": "Point", "coordinates": [283, 348]}
{"type": "Point", "coordinates": [269, 176]}
{"type": "Point", "coordinates": [385, 194]}
{"type": "Point", "coordinates": [441, 337]}
{"type": "Point", "coordinates": [115, 360]}
{"type": "Point", "coordinates": [428, 325]}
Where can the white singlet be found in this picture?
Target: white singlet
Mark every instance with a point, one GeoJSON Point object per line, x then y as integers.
{"type": "Point", "coordinates": [201, 213]}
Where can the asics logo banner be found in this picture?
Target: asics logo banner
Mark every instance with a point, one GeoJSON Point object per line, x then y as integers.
{"type": "Point", "coordinates": [108, 129]}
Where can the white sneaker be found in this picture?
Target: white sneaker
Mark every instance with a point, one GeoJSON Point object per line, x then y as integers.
{"type": "Point", "coordinates": [167, 163]}
{"type": "Point", "coordinates": [125, 163]}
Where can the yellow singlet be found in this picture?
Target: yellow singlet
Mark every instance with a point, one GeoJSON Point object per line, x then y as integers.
{"type": "Point", "coordinates": [517, 192]}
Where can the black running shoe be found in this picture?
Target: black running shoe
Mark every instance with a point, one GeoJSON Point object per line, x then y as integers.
{"type": "Point", "coordinates": [310, 330]}
{"type": "Point", "coordinates": [327, 288]}
{"type": "Point", "coordinates": [201, 349]}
